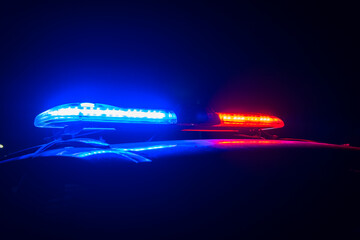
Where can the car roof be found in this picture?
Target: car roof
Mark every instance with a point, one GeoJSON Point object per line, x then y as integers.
{"type": "Point", "coordinates": [145, 151]}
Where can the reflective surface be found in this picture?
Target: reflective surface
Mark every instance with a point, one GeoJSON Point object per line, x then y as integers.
{"type": "Point", "coordinates": [222, 189]}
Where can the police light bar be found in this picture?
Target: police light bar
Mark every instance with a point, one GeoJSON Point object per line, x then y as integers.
{"type": "Point", "coordinates": [249, 120]}
{"type": "Point", "coordinates": [72, 113]}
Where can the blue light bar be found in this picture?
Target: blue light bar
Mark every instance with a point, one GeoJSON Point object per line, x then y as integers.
{"type": "Point", "coordinates": [67, 114]}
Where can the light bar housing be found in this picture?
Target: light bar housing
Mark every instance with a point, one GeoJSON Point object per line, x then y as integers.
{"type": "Point", "coordinates": [93, 113]}
{"type": "Point", "coordinates": [249, 120]}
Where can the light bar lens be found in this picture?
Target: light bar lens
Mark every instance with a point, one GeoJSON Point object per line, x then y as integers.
{"type": "Point", "coordinates": [250, 120]}
{"type": "Point", "coordinates": [63, 115]}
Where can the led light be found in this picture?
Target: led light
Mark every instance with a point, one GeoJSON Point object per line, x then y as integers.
{"type": "Point", "coordinates": [1, 146]}
{"type": "Point", "coordinates": [64, 115]}
{"type": "Point", "coordinates": [250, 120]}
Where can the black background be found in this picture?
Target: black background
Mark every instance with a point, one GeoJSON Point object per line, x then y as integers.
{"type": "Point", "coordinates": [295, 60]}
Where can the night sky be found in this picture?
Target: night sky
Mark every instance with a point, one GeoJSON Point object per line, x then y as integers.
{"type": "Point", "coordinates": [297, 61]}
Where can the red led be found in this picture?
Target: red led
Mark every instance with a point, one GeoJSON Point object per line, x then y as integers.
{"type": "Point", "coordinates": [250, 120]}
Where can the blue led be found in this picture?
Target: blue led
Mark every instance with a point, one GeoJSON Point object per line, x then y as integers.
{"type": "Point", "coordinates": [63, 115]}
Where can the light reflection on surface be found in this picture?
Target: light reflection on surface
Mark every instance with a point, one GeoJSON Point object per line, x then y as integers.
{"type": "Point", "coordinates": [121, 151]}
{"type": "Point", "coordinates": [147, 148]}
{"type": "Point", "coordinates": [248, 142]}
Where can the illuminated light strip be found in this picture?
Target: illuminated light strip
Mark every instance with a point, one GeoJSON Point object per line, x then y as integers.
{"type": "Point", "coordinates": [250, 120]}
{"type": "Point", "coordinates": [63, 115]}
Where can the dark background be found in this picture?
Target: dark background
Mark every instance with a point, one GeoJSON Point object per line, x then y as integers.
{"type": "Point", "coordinates": [295, 60]}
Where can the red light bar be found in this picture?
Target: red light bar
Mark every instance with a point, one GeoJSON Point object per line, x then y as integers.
{"type": "Point", "coordinates": [250, 120]}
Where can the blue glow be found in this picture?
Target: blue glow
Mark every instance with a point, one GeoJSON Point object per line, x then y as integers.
{"type": "Point", "coordinates": [121, 151]}
{"type": "Point", "coordinates": [96, 152]}
{"type": "Point", "coordinates": [127, 155]}
{"type": "Point", "coordinates": [147, 148]}
{"type": "Point", "coordinates": [63, 115]}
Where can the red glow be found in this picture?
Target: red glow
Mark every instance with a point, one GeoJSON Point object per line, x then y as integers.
{"type": "Point", "coordinates": [250, 120]}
